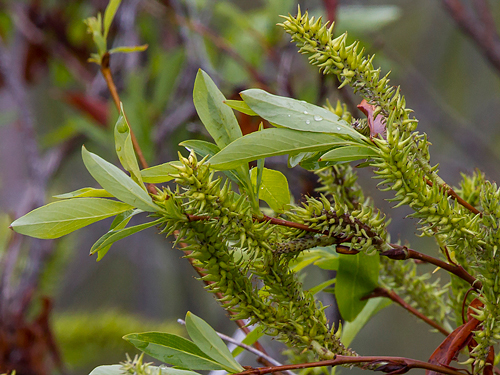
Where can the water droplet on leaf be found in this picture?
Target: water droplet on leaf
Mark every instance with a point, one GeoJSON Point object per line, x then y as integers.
{"type": "Point", "coordinates": [305, 112]}
{"type": "Point", "coordinates": [118, 149]}
{"type": "Point", "coordinates": [308, 122]}
{"type": "Point", "coordinates": [338, 127]}
{"type": "Point", "coordinates": [289, 115]}
{"type": "Point", "coordinates": [318, 118]}
{"type": "Point", "coordinates": [122, 128]}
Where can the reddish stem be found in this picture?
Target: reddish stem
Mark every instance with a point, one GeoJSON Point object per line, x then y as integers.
{"type": "Point", "coordinates": [402, 253]}
{"type": "Point", "coordinates": [395, 365]}
{"type": "Point", "coordinates": [382, 292]}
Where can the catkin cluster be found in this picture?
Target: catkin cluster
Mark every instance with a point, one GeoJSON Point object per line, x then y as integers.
{"type": "Point", "coordinates": [403, 166]}
{"type": "Point", "coordinates": [237, 255]}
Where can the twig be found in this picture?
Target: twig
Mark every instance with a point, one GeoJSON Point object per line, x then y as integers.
{"type": "Point", "coordinates": [402, 253]}
{"type": "Point", "coordinates": [394, 365]}
{"type": "Point", "coordinates": [106, 73]}
{"type": "Point", "coordinates": [486, 39]}
{"type": "Point", "coordinates": [382, 292]}
{"type": "Point", "coordinates": [453, 194]}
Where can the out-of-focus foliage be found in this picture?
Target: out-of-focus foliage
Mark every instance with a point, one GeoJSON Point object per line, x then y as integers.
{"type": "Point", "coordinates": [238, 43]}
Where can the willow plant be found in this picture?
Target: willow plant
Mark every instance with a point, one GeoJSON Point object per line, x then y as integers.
{"type": "Point", "coordinates": [249, 259]}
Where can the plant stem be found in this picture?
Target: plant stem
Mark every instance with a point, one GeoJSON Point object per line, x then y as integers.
{"type": "Point", "coordinates": [455, 196]}
{"type": "Point", "coordinates": [382, 292]}
{"type": "Point", "coordinates": [395, 365]}
{"type": "Point", "coordinates": [106, 73]}
{"type": "Point", "coordinates": [402, 253]}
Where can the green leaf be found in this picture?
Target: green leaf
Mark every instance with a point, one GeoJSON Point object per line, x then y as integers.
{"type": "Point", "coordinates": [117, 183]}
{"type": "Point", "coordinates": [109, 15]}
{"type": "Point", "coordinates": [272, 142]}
{"type": "Point", "coordinates": [85, 192]}
{"type": "Point", "coordinates": [357, 276]}
{"type": "Point", "coordinates": [273, 188]}
{"type": "Point", "coordinates": [210, 343]}
{"type": "Point", "coordinates": [240, 106]}
{"type": "Point", "coordinates": [218, 118]}
{"type": "Point", "coordinates": [173, 349]}
{"type": "Point", "coordinates": [351, 329]}
{"type": "Point", "coordinates": [125, 149]}
{"type": "Point", "coordinates": [349, 153]}
{"type": "Point", "coordinates": [296, 114]}
{"type": "Point", "coordinates": [107, 370]}
{"type": "Point", "coordinates": [62, 217]}
{"type": "Point", "coordinates": [153, 370]}
{"type": "Point", "coordinates": [160, 173]}
{"type": "Point", "coordinates": [325, 284]}
{"type": "Point", "coordinates": [103, 244]}
{"type": "Point", "coordinates": [331, 264]}
{"type": "Point", "coordinates": [202, 148]}
{"type": "Point", "coordinates": [128, 49]}
{"type": "Point", "coordinates": [249, 339]}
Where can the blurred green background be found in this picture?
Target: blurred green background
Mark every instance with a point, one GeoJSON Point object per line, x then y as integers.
{"type": "Point", "coordinates": [52, 101]}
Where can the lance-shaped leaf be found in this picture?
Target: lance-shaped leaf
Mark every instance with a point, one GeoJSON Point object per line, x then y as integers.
{"type": "Point", "coordinates": [350, 153]}
{"type": "Point", "coordinates": [117, 183]}
{"type": "Point", "coordinates": [173, 349]}
{"type": "Point", "coordinates": [372, 307]}
{"type": "Point", "coordinates": [296, 114]}
{"type": "Point", "coordinates": [62, 217]}
{"type": "Point", "coordinates": [152, 370]}
{"type": "Point", "coordinates": [160, 173]}
{"type": "Point", "coordinates": [85, 193]}
{"type": "Point", "coordinates": [272, 142]}
{"type": "Point", "coordinates": [240, 106]}
{"type": "Point", "coordinates": [250, 339]}
{"type": "Point", "coordinates": [273, 188]}
{"type": "Point", "coordinates": [357, 276]}
{"type": "Point", "coordinates": [218, 118]}
{"type": "Point", "coordinates": [119, 222]}
{"type": "Point", "coordinates": [107, 370]}
{"type": "Point", "coordinates": [210, 343]}
{"type": "Point", "coordinates": [103, 244]}
{"type": "Point", "coordinates": [125, 148]}
{"type": "Point", "coordinates": [109, 14]}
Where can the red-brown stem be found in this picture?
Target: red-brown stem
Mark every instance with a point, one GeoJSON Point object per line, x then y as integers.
{"type": "Point", "coordinates": [455, 196]}
{"type": "Point", "coordinates": [397, 363]}
{"type": "Point", "coordinates": [398, 252]}
{"type": "Point", "coordinates": [106, 73]}
{"type": "Point", "coordinates": [402, 252]}
{"type": "Point", "coordinates": [382, 292]}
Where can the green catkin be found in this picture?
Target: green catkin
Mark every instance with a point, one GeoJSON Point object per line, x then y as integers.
{"type": "Point", "coordinates": [403, 166]}
{"type": "Point", "coordinates": [233, 249]}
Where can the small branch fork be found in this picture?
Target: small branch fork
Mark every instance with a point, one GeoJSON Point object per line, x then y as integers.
{"type": "Point", "coordinates": [382, 292]}
{"type": "Point", "coordinates": [391, 365]}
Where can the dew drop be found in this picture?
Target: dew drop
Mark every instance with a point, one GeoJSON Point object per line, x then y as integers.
{"type": "Point", "coordinates": [317, 118]}
{"type": "Point", "coordinates": [289, 115]}
{"type": "Point", "coordinates": [308, 122]}
{"type": "Point", "coordinates": [338, 127]}
{"type": "Point", "coordinates": [122, 128]}
{"type": "Point", "coordinates": [306, 113]}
